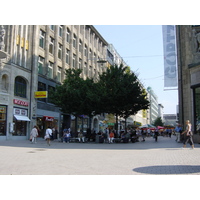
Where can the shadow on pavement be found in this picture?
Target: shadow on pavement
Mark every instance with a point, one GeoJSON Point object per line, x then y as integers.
{"type": "Point", "coordinates": [169, 169]}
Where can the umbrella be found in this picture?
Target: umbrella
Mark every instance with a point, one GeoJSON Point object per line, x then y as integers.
{"type": "Point", "coordinates": [147, 126]}
{"type": "Point", "coordinates": [160, 127]}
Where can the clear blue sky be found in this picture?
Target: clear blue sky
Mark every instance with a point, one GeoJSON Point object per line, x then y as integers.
{"type": "Point", "coordinates": [141, 47]}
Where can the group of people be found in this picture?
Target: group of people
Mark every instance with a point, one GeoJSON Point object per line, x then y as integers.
{"type": "Point", "coordinates": [109, 136]}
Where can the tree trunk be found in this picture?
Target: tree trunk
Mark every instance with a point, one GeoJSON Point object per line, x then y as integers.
{"type": "Point", "coordinates": [117, 124]}
{"type": "Point", "coordinates": [125, 125]}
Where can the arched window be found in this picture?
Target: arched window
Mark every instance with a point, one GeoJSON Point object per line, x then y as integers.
{"type": "Point", "coordinates": [20, 87]}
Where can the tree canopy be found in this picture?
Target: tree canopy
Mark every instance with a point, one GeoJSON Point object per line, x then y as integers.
{"type": "Point", "coordinates": [117, 91]}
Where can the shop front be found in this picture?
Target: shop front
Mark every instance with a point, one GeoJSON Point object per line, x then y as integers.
{"type": "Point", "coordinates": [195, 86]}
{"type": "Point", "coordinates": [20, 120]}
{"type": "Point", "coordinates": [3, 117]}
{"type": "Point", "coordinates": [44, 122]}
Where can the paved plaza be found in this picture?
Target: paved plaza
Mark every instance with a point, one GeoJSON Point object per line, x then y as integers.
{"type": "Point", "coordinates": [141, 158]}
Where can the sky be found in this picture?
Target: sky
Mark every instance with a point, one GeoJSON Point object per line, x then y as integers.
{"type": "Point", "coordinates": [141, 47]}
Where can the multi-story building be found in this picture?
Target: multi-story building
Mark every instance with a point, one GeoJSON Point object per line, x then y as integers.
{"type": "Point", "coordinates": [160, 110]}
{"type": "Point", "coordinates": [188, 53]}
{"type": "Point", "coordinates": [37, 58]}
{"type": "Point", "coordinates": [153, 109]}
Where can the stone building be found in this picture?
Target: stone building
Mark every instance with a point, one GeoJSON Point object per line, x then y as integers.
{"type": "Point", "coordinates": [188, 53]}
{"type": "Point", "coordinates": [37, 58]}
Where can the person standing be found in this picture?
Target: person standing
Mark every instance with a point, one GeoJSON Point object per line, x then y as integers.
{"type": "Point", "coordinates": [34, 134]}
{"type": "Point", "coordinates": [48, 135]}
{"type": "Point", "coordinates": [188, 137]}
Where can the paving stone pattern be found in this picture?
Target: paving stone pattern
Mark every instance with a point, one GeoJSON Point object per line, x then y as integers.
{"type": "Point", "coordinates": [164, 157]}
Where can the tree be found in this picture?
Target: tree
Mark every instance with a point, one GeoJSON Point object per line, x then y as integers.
{"type": "Point", "coordinates": [122, 93]}
{"type": "Point", "coordinates": [158, 122]}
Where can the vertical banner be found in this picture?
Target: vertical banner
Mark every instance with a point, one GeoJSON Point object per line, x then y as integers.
{"type": "Point", "coordinates": [169, 48]}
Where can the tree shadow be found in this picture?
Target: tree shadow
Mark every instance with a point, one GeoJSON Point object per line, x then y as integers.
{"type": "Point", "coordinates": [168, 169]}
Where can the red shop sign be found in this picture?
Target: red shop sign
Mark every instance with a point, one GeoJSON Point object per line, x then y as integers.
{"type": "Point", "coordinates": [47, 118]}
{"type": "Point", "coordinates": [19, 102]}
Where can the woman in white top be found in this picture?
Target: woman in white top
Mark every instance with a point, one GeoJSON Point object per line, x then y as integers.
{"type": "Point", "coordinates": [189, 134]}
{"type": "Point", "coordinates": [34, 134]}
{"type": "Point", "coordinates": [48, 135]}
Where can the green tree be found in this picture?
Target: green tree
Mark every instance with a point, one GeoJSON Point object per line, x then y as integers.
{"type": "Point", "coordinates": [158, 122]}
{"type": "Point", "coordinates": [122, 93]}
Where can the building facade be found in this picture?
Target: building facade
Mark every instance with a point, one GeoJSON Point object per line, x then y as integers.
{"type": "Point", "coordinates": [37, 58]}
{"type": "Point", "coordinates": [153, 109]}
{"type": "Point", "coordinates": [188, 53]}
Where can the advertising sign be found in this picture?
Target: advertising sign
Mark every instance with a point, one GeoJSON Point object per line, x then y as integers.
{"type": "Point", "coordinates": [169, 49]}
{"type": "Point", "coordinates": [41, 94]}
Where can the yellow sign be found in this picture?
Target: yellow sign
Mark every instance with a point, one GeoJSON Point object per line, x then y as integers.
{"type": "Point", "coordinates": [41, 94]}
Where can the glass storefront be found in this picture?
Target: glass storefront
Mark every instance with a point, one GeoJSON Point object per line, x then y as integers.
{"type": "Point", "coordinates": [20, 120]}
{"type": "Point", "coordinates": [197, 109]}
{"type": "Point", "coordinates": [44, 122]}
{"type": "Point", "coordinates": [20, 128]}
{"type": "Point", "coordinates": [3, 114]}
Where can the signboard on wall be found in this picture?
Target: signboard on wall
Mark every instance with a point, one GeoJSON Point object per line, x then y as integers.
{"type": "Point", "coordinates": [169, 49]}
{"type": "Point", "coordinates": [41, 94]}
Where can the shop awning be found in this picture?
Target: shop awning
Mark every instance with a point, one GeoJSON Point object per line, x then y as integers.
{"type": "Point", "coordinates": [48, 118]}
{"type": "Point", "coordinates": [21, 118]}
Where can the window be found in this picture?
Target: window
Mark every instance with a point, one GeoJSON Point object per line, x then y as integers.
{"type": "Point", "coordinates": [50, 70]}
{"type": "Point", "coordinates": [52, 27]}
{"type": "Point", "coordinates": [20, 87]}
{"type": "Point", "coordinates": [60, 30]}
{"type": "Point", "coordinates": [59, 74]}
{"type": "Point", "coordinates": [86, 51]}
{"type": "Point", "coordinates": [74, 60]}
{"type": "Point", "coordinates": [74, 41]}
{"type": "Point", "coordinates": [80, 63]}
{"type": "Point", "coordinates": [80, 46]}
{"type": "Point", "coordinates": [59, 51]}
{"type": "Point", "coordinates": [51, 45]}
{"type": "Point", "coordinates": [95, 58]}
{"type": "Point", "coordinates": [42, 87]}
{"type": "Point", "coordinates": [85, 69]}
{"type": "Point", "coordinates": [40, 65]}
{"type": "Point", "coordinates": [42, 39]}
{"type": "Point", "coordinates": [68, 35]}
{"type": "Point", "coordinates": [50, 89]}
{"type": "Point", "coordinates": [90, 71]}
{"type": "Point", "coordinates": [90, 54]}
{"type": "Point", "coordinates": [67, 56]}
{"type": "Point", "coordinates": [3, 117]}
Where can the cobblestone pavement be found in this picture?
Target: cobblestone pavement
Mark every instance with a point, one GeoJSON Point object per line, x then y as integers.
{"type": "Point", "coordinates": [141, 158]}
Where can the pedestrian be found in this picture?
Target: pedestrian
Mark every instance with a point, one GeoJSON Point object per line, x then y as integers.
{"type": "Point", "coordinates": [178, 131]}
{"type": "Point", "coordinates": [80, 137]}
{"type": "Point", "coordinates": [156, 133]}
{"type": "Point", "coordinates": [111, 137]}
{"type": "Point", "coordinates": [188, 137]}
{"type": "Point", "coordinates": [34, 134]}
{"type": "Point", "coordinates": [48, 135]}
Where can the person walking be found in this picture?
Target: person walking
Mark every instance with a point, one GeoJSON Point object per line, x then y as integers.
{"type": "Point", "coordinates": [34, 134]}
{"type": "Point", "coordinates": [188, 137]}
{"type": "Point", "coordinates": [48, 135]}
{"type": "Point", "coordinates": [156, 133]}
{"type": "Point", "coordinates": [178, 131]}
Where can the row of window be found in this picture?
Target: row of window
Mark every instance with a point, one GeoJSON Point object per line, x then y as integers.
{"type": "Point", "coordinates": [87, 53]}
{"type": "Point", "coordinates": [41, 68]}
